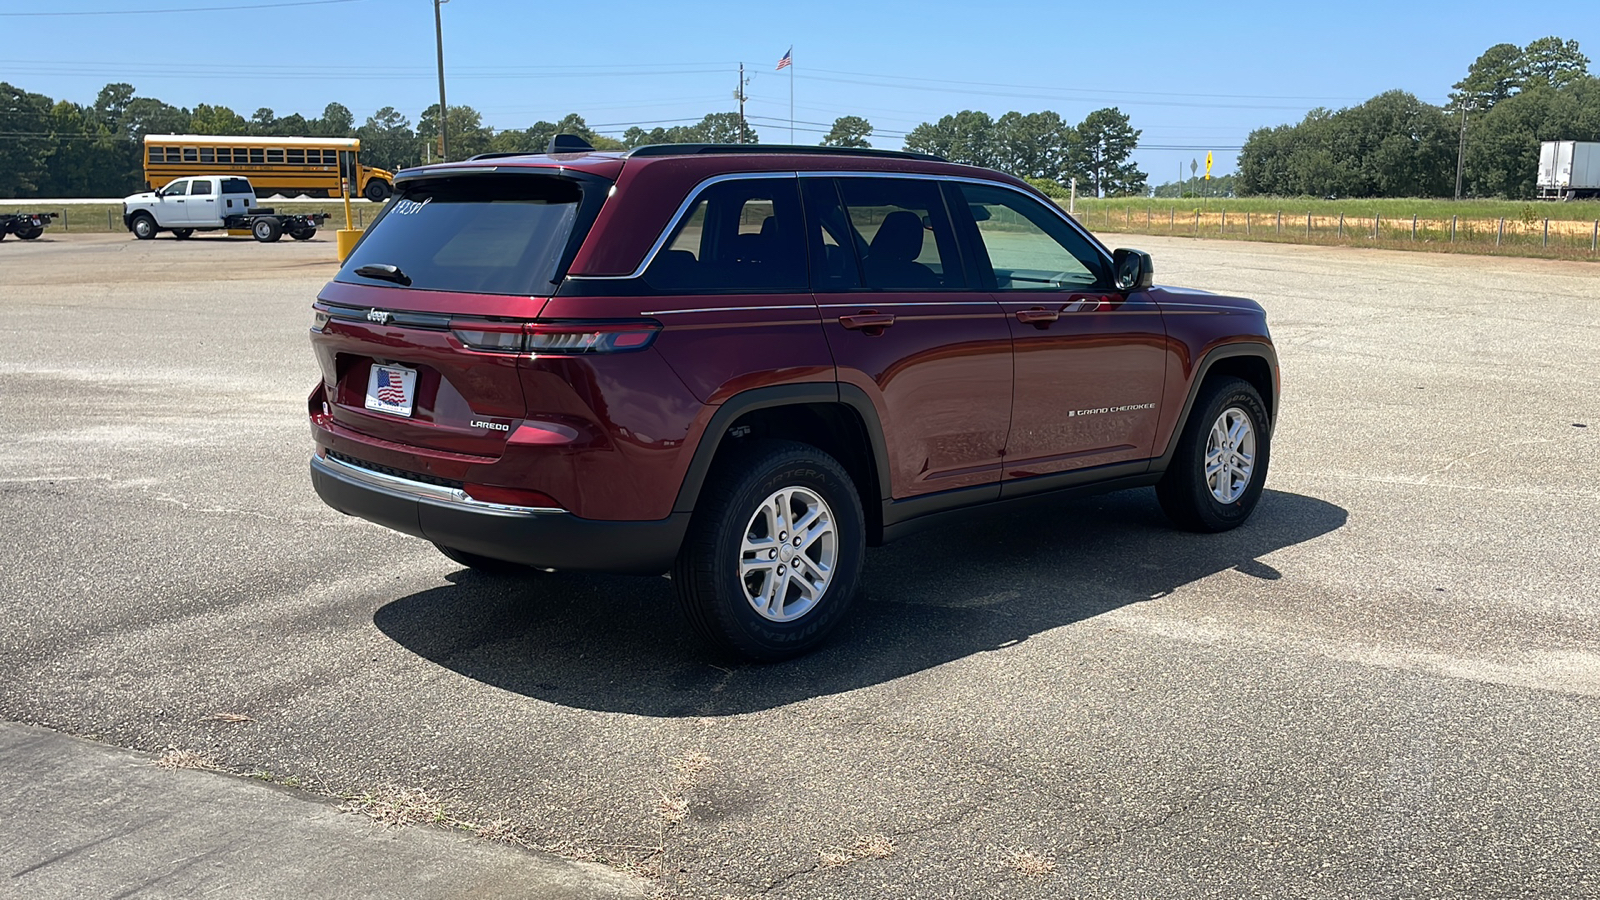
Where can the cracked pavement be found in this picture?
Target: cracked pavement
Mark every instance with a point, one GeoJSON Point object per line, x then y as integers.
{"type": "Point", "coordinates": [1387, 684]}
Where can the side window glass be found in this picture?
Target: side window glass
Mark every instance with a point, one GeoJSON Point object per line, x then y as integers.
{"type": "Point", "coordinates": [158, 154]}
{"type": "Point", "coordinates": [1031, 248]}
{"type": "Point", "coordinates": [738, 236]}
{"type": "Point", "coordinates": [177, 188]}
{"type": "Point", "coordinates": [829, 238]}
{"type": "Point", "coordinates": [274, 155]}
{"type": "Point", "coordinates": [199, 187]}
{"type": "Point", "coordinates": [902, 233]}
{"type": "Point", "coordinates": [207, 154]}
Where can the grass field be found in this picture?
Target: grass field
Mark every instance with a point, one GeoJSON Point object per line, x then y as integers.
{"type": "Point", "coordinates": [1496, 227]}
{"type": "Point", "coordinates": [103, 217]}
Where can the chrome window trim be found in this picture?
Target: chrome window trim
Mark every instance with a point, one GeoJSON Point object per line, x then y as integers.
{"type": "Point", "coordinates": [688, 203]}
{"type": "Point", "coordinates": [407, 489]}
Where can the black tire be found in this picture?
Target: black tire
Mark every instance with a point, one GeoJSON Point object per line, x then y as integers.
{"type": "Point", "coordinates": [266, 230]}
{"type": "Point", "coordinates": [1184, 492]}
{"type": "Point", "coordinates": [484, 564]}
{"type": "Point", "coordinates": [31, 234]}
{"type": "Point", "coordinates": [706, 576]}
{"type": "Point", "coordinates": [182, 234]}
{"type": "Point", "coordinates": [377, 190]}
{"type": "Point", "coordinates": [144, 227]}
{"type": "Point", "coordinates": [303, 234]}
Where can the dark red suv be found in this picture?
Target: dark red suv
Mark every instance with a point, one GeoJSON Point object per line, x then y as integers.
{"type": "Point", "coordinates": [745, 364]}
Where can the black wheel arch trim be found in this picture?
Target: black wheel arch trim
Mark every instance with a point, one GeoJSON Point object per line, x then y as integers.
{"type": "Point", "coordinates": [1259, 349]}
{"type": "Point", "coordinates": [818, 392]}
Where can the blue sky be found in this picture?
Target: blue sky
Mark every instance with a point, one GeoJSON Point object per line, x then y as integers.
{"type": "Point", "coordinates": [1193, 76]}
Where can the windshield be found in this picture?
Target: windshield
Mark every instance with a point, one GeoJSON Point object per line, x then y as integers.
{"type": "Point", "coordinates": [478, 234]}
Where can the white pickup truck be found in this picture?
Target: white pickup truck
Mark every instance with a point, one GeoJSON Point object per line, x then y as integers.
{"type": "Point", "coordinates": [212, 203]}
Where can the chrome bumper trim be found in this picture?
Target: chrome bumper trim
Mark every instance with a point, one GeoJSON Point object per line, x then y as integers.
{"type": "Point", "coordinates": [417, 490]}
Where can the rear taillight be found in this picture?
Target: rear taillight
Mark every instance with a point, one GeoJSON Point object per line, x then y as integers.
{"type": "Point", "coordinates": [558, 338]}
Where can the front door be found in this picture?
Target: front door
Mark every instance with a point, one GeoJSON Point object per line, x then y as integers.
{"type": "Point", "coordinates": [1090, 361]}
{"type": "Point", "coordinates": [173, 211]}
{"type": "Point", "coordinates": [905, 325]}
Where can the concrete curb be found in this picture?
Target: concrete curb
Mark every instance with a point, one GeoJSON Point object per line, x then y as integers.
{"type": "Point", "coordinates": [86, 820]}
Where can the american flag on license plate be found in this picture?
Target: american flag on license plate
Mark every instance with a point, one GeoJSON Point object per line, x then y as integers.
{"type": "Point", "coordinates": [390, 388]}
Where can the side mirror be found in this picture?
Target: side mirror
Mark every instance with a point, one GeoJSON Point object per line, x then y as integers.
{"type": "Point", "coordinates": [1134, 270]}
{"type": "Point", "coordinates": [157, 192]}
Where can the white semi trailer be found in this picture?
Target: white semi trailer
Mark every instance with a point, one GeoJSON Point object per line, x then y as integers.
{"type": "Point", "coordinates": [1569, 170]}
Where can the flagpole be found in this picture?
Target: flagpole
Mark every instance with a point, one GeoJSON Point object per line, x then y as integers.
{"type": "Point", "coordinates": [791, 96]}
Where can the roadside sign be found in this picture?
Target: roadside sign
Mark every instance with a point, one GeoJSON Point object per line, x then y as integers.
{"type": "Point", "coordinates": [1208, 165]}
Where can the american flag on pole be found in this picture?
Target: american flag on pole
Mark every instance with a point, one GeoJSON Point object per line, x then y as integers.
{"type": "Point", "coordinates": [390, 388]}
{"type": "Point", "coordinates": [785, 62]}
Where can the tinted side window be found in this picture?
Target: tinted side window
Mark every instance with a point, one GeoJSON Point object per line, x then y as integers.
{"type": "Point", "coordinates": [235, 186]}
{"type": "Point", "coordinates": [177, 188]}
{"type": "Point", "coordinates": [199, 187]}
{"type": "Point", "coordinates": [1029, 247]}
{"type": "Point", "coordinates": [902, 233]}
{"type": "Point", "coordinates": [829, 238]}
{"type": "Point", "coordinates": [739, 236]}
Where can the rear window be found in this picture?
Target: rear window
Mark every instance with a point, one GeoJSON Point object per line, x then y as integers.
{"type": "Point", "coordinates": [235, 186]}
{"type": "Point", "coordinates": [479, 234]}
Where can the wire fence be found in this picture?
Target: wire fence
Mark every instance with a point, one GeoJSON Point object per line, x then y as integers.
{"type": "Point", "coordinates": [1526, 235]}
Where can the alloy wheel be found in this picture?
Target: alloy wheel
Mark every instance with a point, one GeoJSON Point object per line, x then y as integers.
{"type": "Point", "coordinates": [788, 554]}
{"type": "Point", "coordinates": [1230, 455]}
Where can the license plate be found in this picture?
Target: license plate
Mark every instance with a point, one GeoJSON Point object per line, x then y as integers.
{"type": "Point", "coordinates": [392, 389]}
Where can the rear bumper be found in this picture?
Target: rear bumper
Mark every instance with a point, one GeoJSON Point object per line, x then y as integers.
{"type": "Point", "coordinates": [546, 538]}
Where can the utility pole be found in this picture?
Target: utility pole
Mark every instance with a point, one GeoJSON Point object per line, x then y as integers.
{"type": "Point", "coordinates": [740, 96]}
{"type": "Point", "coordinates": [444, 117]}
{"type": "Point", "coordinates": [1461, 152]}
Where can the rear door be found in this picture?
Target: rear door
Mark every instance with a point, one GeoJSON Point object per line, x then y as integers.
{"type": "Point", "coordinates": [202, 203]}
{"type": "Point", "coordinates": [906, 326]}
{"type": "Point", "coordinates": [1090, 360]}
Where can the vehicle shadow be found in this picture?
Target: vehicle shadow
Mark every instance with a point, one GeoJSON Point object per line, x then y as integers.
{"type": "Point", "coordinates": [617, 644]}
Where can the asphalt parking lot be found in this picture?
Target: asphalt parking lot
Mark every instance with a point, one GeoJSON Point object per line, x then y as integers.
{"type": "Point", "coordinates": [1386, 684]}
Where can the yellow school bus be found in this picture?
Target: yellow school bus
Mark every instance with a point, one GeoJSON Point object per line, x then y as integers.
{"type": "Point", "coordinates": [274, 165]}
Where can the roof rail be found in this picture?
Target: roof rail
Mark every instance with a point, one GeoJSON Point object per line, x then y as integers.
{"type": "Point", "coordinates": [692, 149]}
{"type": "Point", "coordinates": [498, 155]}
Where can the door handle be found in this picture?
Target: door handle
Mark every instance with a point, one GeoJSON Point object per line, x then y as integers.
{"type": "Point", "coordinates": [1038, 317]}
{"type": "Point", "coordinates": [868, 321]}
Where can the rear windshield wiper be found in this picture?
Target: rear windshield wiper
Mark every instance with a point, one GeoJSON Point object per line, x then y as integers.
{"type": "Point", "coordinates": [384, 273]}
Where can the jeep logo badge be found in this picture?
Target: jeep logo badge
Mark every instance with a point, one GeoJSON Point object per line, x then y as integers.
{"type": "Point", "coordinates": [379, 316]}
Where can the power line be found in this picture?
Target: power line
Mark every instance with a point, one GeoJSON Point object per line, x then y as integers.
{"type": "Point", "coordinates": [190, 9]}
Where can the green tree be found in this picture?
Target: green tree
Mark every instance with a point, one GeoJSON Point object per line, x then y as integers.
{"type": "Point", "coordinates": [336, 121]}
{"type": "Point", "coordinates": [26, 150]}
{"type": "Point", "coordinates": [849, 131]}
{"type": "Point", "coordinates": [387, 140]}
{"type": "Point", "coordinates": [264, 121]}
{"type": "Point", "coordinates": [1032, 145]}
{"type": "Point", "coordinates": [1502, 158]}
{"type": "Point", "coordinates": [217, 120]}
{"type": "Point", "coordinates": [966, 137]}
{"type": "Point", "coordinates": [1100, 157]}
{"type": "Point", "coordinates": [1494, 76]}
{"type": "Point", "coordinates": [111, 102]}
{"type": "Point", "coordinates": [468, 136]}
{"type": "Point", "coordinates": [1551, 62]}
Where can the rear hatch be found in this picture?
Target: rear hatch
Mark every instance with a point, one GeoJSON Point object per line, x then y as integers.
{"type": "Point", "coordinates": [412, 333]}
